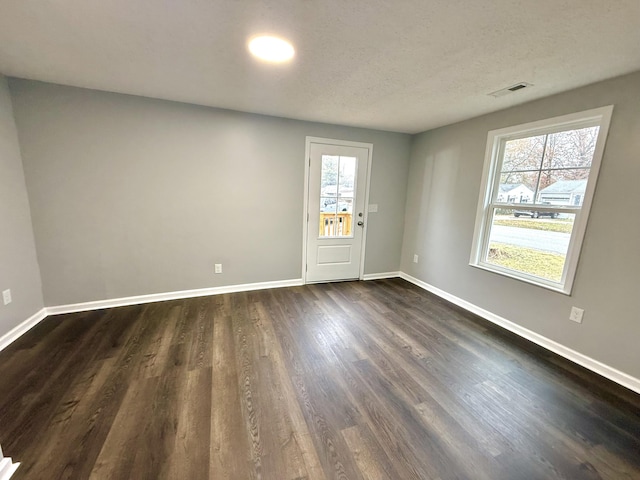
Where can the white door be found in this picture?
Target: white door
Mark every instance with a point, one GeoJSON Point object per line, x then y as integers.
{"type": "Point", "coordinates": [337, 187]}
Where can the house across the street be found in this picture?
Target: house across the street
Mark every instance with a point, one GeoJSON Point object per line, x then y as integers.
{"type": "Point", "coordinates": [564, 192]}
{"type": "Point", "coordinates": [515, 193]}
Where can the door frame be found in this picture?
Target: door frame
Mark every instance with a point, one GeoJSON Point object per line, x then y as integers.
{"type": "Point", "coordinates": [305, 212]}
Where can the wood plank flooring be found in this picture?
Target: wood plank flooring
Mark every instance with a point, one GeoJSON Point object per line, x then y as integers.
{"type": "Point", "coordinates": [354, 380]}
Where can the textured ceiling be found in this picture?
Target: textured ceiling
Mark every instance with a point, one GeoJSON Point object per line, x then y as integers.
{"type": "Point", "coordinates": [403, 65]}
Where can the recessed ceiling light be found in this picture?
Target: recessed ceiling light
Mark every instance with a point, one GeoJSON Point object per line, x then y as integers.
{"type": "Point", "coordinates": [271, 49]}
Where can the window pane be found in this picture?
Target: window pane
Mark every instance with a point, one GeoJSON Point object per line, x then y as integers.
{"type": "Point", "coordinates": [328, 204]}
{"type": "Point", "coordinates": [336, 196]}
{"type": "Point", "coordinates": [523, 154]}
{"type": "Point", "coordinates": [563, 187]}
{"type": "Point", "coordinates": [329, 176]}
{"type": "Point", "coordinates": [571, 149]}
{"type": "Point", "coordinates": [347, 177]}
{"type": "Point", "coordinates": [345, 205]}
{"type": "Point", "coordinates": [517, 187]}
{"type": "Point", "coordinates": [336, 225]}
{"type": "Point", "coordinates": [531, 242]}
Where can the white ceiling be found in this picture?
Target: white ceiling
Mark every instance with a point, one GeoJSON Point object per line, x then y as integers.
{"type": "Point", "coordinates": [400, 65]}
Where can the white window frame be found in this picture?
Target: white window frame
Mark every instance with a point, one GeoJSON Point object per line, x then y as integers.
{"type": "Point", "coordinates": [487, 201]}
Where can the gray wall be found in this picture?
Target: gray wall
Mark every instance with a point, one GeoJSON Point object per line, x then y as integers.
{"type": "Point", "coordinates": [18, 263]}
{"type": "Point", "coordinates": [132, 196]}
{"type": "Point", "coordinates": [444, 182]}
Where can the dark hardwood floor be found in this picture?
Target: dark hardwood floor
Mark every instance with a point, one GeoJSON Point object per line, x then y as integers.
{"type": "Point", "coordinates": [374, 380]}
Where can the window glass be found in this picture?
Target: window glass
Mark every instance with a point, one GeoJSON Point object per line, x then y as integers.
{"type": "Point", "coordinates": [337, 191]}
{"type": "Point", "coordinates": [534, 243]}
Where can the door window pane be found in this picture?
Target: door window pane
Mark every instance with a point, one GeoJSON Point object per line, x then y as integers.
{"type": "Point", "coordinates": [347, 177]}
{"type": "Point", "coordinates": [328, 204]}
{"type": "Point", "coordinates": [329, 178]}
{"type": "Point", "coordinates": [337, 193]}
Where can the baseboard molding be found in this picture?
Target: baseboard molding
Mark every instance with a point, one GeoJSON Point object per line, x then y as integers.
{"type": "Point", "coordinates": [13, 334]}
{"type": "Point", "coordinates": [380, 276]}
{"type": "Point", "coordinates": [7, 467]}
{"type": "Point", "coordinates": [160, 297]}
{"type": "Point", "coordinates": [589, 363]}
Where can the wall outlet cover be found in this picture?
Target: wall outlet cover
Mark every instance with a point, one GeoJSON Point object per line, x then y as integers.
{"type": "Point", "coordinates": [576, 314]}
{"type": "Point", "coordinates": [6, 296]}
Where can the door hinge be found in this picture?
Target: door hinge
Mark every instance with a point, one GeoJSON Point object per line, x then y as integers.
{"type": "Point", "coordinates": [306, 268]}
{"type": "Point", "coordinates": [307, 216]}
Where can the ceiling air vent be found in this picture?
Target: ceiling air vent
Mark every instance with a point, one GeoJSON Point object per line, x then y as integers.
{"type": "Point", "coordinates": [511, 89]}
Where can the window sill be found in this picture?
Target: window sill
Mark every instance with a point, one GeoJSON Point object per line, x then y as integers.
{"type": "Point", "coordinates": [565, 290]}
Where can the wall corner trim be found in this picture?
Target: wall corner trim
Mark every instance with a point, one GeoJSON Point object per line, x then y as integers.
{"type": "Point", "coordinates": [19, 330]}
{"type": "Point", "coordinates": [589, 363]}
{"type": "Point", "coordinates": [380, 276]}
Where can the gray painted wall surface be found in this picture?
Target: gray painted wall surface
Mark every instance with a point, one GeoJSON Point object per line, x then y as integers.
{"type": "Point", "coordinates": [133, 196]}
{"type": "Point", "coordinates": [444, 183]}
{"type": "Point", "coordinates": [18, 263]}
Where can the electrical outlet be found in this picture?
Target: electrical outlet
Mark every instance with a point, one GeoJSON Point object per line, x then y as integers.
{"type": "Point", "coordinates": [576, 314]}
{"type": "Point", "coordinates": [6, 296]}
{"type": "Point", "coordinates": [218, 267]}
{"type": "Point", "coordinates": [415, 259]}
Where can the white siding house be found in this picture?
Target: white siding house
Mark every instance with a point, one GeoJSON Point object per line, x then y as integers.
{"type": "Point", "coordinates": [515, 193]}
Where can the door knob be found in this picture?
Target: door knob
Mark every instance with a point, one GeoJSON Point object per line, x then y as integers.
{"type": "Point", "coordinates": [361, 224]}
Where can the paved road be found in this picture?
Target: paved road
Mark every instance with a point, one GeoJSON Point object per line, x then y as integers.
{"type": "Point", "coordinates": [555, 242]}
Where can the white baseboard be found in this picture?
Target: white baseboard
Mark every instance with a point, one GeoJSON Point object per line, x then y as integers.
{"type": "Point", "coordinates": [589, 363]}
{"type": "Point", "coordinates": [13, 334]}
{"type": "Point", "coordinates": [160, 297]}
{"type": "Point", "coordinates": [380, 276]}
{"type": "Point", "coordinates": [7, 468]}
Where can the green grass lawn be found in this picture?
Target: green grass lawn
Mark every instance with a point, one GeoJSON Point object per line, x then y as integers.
{"type": "Point", "coordinates": [527, 260]}
{"type": "Point", "coordinates": [562, 226]}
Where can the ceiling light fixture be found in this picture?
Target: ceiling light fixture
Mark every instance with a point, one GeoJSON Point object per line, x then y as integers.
{"type": "Point", "coordinates": [271, 49]}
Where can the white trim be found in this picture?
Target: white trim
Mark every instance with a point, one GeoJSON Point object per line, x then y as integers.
{"type": "Point", "coordinates": [160, 297]}
{"type": "Point", "coordinates": [589, 363]}
{"type": "Point", "coordinates": [305, 212]}
{"type": "Point", "coordinates": [380, 276]}
{"type": "Point", "coordinates": [16, 332]}
{"type": "Point", "coordinates": [305, 206]}
{"type": "Point", "coordinates": [365, 210]}
{"type": "Point", "coordinates": [7, 467]}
